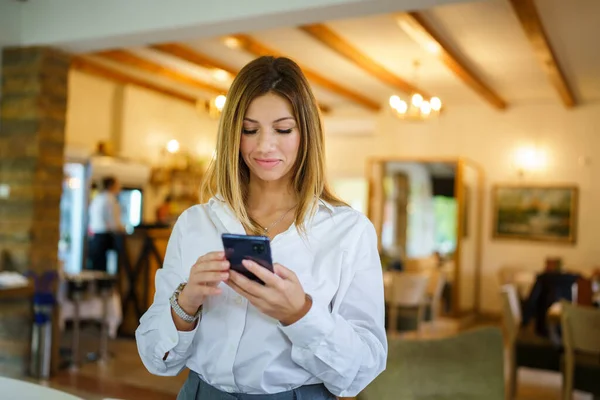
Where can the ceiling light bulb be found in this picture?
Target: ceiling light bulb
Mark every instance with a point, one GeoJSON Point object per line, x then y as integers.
{"type": "Point", "coordinates": [436, 103]}
{"type": "Point", "coordinates": [220, 102]}
{"type": "Point", "coordinates": [416, 100]}
{"type": "Point", "coordinates": [173, 146]}
{"type": "Point", "coordinates": [425, 108]}
{"type": "Point", "coordinates": [395, 102]}
{"type": "Point", "coordinates": [402, 107]}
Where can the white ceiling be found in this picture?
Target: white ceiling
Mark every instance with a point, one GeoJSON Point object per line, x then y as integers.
{"type": "Point", "coordinates": [486, 33]}
{"type": "Point", "coordinates": [574, 30]}
{"type": "Point", "coordinates": [490, 37]}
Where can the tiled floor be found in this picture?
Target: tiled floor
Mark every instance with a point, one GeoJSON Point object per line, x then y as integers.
{"type": "Point", "coordinates": [125, 377]}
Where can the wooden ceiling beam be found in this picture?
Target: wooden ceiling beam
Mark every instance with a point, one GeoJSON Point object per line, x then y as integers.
{"type": "Point", "coordinates": [252, 46]}
{"type": "Point", "coordinates": [129, 59]}
{"type": "Point", "coordinates": [93, 68]}
{"type": "Point", "coordinates": [192, 56]}
{"type": "Point", "coordinates": [341, 46]}
{"type": "Point", "coordinates": [416, 27]}
{"type": "Point", "coordinates": [531, 23]}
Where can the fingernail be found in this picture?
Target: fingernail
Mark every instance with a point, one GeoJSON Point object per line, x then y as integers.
{"type": "Point", "coordinates": [225, 264]}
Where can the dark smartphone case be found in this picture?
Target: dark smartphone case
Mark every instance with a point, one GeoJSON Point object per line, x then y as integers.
{"type": "Point", "coordinates": [245, 247]}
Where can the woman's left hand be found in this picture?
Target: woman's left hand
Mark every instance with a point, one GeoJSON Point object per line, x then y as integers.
{"type": "Point", "coordinates": [282, 297]}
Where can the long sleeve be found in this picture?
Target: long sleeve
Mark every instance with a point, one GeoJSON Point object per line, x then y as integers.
{"type": "Point", "coordinates": [157, 333]}
{"type": "Point", "coordinates": [346, 348]}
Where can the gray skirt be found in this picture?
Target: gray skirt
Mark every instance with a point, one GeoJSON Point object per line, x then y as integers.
{"type": "Point", "coordinates": [195, 388]}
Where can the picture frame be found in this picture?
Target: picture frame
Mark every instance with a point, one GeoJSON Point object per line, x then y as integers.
{"type": "Point", "coordinates": [543, 213]}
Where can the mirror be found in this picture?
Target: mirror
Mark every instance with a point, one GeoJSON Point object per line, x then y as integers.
{"type": "Point", "coordinates": [427, 214]}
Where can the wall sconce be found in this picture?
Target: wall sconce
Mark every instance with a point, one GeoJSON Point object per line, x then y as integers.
{"type": "Point", "coordinates": [529, 159]}
{"type": "Point", "coordinates": [213, 107]}
{"type": "Point", "coordinates": [173, 146]}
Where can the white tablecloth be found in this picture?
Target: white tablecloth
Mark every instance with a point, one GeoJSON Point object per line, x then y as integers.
{"type": "Point", "coordinates": [13, 389]}
{"type": "Point", "coordinates": [90, 308]}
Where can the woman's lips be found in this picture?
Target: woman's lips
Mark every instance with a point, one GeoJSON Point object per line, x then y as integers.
{"type": "Point", "coordinates": [267, 162]}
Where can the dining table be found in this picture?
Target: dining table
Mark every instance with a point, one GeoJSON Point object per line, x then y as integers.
{"type": "Point", "coordinates": [11, 389]}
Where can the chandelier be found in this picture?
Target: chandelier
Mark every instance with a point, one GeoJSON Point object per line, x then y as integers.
{"type": "Point", "coordinates": [417, 107]}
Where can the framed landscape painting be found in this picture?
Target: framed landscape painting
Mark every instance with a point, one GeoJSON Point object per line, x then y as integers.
{"type": "Point", "coordinates": [540, 213]}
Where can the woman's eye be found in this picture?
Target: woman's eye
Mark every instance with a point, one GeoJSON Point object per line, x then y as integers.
{"type": "Point", "coordinates": [284, 130]}
{"type": "Point", "coordinates": [249, 131]}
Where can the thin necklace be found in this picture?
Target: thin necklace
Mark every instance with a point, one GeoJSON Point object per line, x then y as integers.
{"type": "Point", "coordinates": [276, 222]}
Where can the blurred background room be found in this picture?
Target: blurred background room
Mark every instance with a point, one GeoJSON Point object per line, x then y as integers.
{"type": "Point", "coordinates": [465, 130]}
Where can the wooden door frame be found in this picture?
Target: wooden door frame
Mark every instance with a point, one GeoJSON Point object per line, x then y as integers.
{"type": "Point", "coordinates": [480, 196]}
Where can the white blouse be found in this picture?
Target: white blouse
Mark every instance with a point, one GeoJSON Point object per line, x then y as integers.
{"type": "Point", "coordinates": [341, 342]}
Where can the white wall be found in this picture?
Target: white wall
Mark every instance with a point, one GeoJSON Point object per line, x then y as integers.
{"type": "Point", "coordinates": [150, 121]}
{"type": "Point", "coordinates": [90, 112]}
{"type": "Point", "coordinates": [141, 123]}
{"type": "Point", "coordinates": [489, 137]}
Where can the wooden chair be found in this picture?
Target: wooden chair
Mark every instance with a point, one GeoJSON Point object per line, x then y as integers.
{"type": "Point", "coordinates": [581, 338]}
{"type": "Point", "coordinates": [525, 348]}
{"type": "Point", "coordinates": [406, 291]}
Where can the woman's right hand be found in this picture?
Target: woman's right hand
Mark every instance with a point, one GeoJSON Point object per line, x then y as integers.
{"type": "Point", "coordinates": [205, 275]}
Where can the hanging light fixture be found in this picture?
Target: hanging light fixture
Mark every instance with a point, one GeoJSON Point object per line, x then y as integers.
{"type": "Point", "coordinates": [417, 108]}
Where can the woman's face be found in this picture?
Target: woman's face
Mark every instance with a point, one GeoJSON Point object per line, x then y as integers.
{"type": "Point", "coordinates": [270, 138]}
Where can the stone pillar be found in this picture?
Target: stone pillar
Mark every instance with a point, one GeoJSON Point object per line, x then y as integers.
{"type": "Point", "coordinates": [32, 135]}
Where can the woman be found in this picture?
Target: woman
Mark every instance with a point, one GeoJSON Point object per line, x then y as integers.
{"type": "Point", "coordinates": [316, 328]}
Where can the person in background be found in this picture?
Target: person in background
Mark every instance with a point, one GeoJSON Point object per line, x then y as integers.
{"type": "Point", "coordinates": [315, 330]}
{"type": "Point", "coordinates": [163, 212]}
{"type": "Point", "coordinates": [104, 223]}
{"type": "Point", "coordinates": [551, 286]}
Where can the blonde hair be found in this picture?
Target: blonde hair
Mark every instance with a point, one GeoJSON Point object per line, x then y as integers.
{"type": "Point", "coordinates": [228, 175]}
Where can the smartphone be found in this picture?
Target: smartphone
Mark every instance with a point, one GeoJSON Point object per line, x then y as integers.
{"type": "Point", "coordinates": [246, 247]}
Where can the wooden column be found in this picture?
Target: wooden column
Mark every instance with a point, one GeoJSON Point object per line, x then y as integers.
{"type": "Point", "coordinates": [32, 136]}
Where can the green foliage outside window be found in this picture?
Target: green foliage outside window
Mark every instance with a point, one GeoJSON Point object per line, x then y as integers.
{"type": "Point", "coordinates": [445, 223]}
